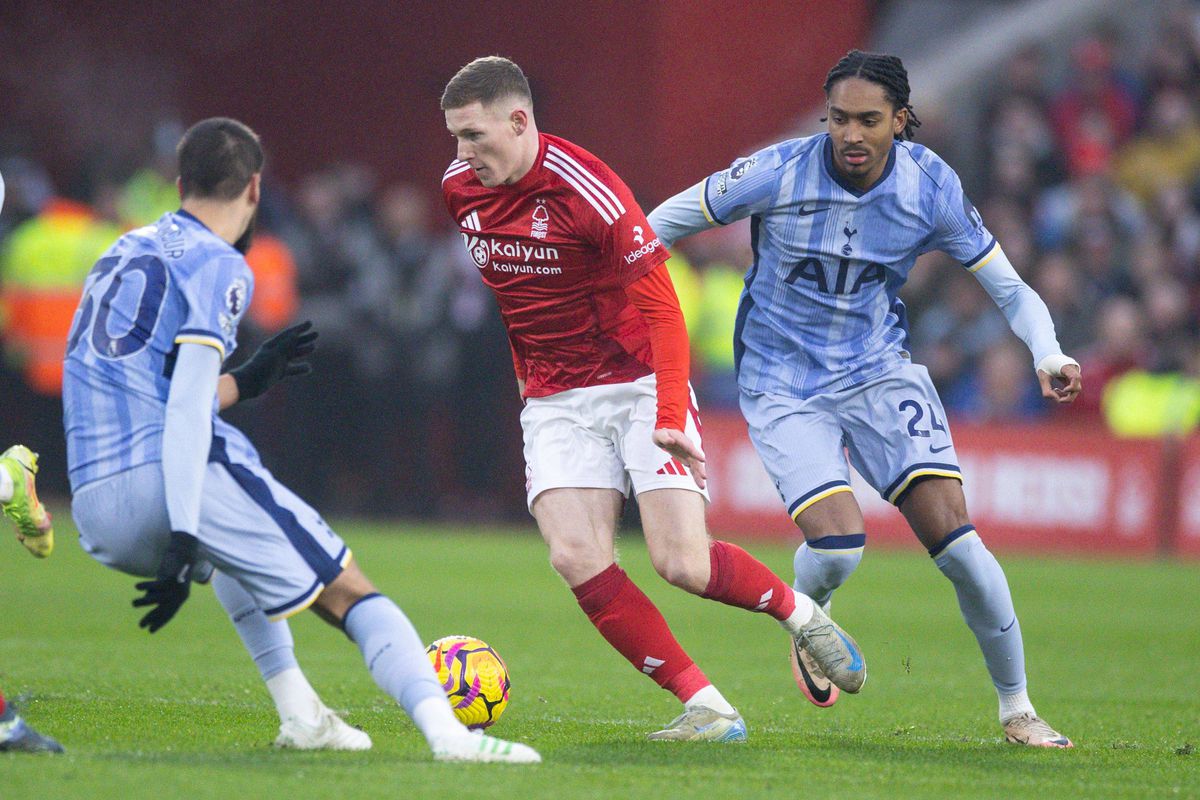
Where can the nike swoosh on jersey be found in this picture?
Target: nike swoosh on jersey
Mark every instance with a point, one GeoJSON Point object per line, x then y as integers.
{"type": "Point", "coordinates": [939, 449]}
{"type": "Point", "coordinates": [807, 212]}
{"type": "Point", "coordinates": [1006, 628]}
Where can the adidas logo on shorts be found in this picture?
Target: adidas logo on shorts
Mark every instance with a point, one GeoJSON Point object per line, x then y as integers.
{"type": "Point", "coordinates": [672, 467]}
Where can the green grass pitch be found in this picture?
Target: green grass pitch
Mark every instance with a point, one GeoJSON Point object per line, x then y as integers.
{"type": "Point", "coordinates": [1113, 651]}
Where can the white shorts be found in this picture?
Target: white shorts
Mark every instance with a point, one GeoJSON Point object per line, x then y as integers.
{"type": "Point", "coordinates": [252, 528]}
{"type": "Point", "coordinates": [601, 437]}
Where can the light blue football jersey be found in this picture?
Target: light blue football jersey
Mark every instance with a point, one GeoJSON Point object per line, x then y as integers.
{"type": "Point", "coordinates": [168, 283]}
{"type": "Point", "coordinates": [820, 310]}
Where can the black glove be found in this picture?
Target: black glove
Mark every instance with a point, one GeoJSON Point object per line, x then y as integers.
{"type": "Point", "coordinates": [170, 588]}
{"type": "Point", "coordinates": [278, 358]}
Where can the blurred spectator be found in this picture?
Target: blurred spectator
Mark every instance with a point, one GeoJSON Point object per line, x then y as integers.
{"type": "Point", "coordinates": [1145, 404]}
{"type": "Point", "coordinates": [1057, 282]}
{"type": "Point", "coordinates": [1167, 153]}
{"type": "Point", "coordinates": [1171, 326]}
{"type": "Point", "coordinates": [151, 192]}
{"type": "Point", "coordinates": [43, 264]}
{"type": "Point", "coordinates": [1098, 110]}
{"type": "Point", "coordinates": [952, 337]}
{"type": "Point", "coordinates": [1068, 211]}
{"type": "Point", "coordinates": [1122, 344]}
{"type": "Point", "coordinates": [712, 335]}
{"type": "Point", "coordinates": [276, 295]}
{"type": "Point", "coordinates": [27, 190]}
{"type": "Point", "coordinates": [1000, 392]}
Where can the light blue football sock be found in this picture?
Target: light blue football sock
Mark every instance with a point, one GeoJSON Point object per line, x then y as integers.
{"type": "Point", "coordinates": [269, 643]}
{"type": "Point", "coordinates": [824, 564]}
{"type": "Point", "coordinates": [393, 651]}
{"type": "Point", "coordinates": [986, 605]}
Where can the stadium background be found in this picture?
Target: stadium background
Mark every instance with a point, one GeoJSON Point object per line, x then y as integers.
{"type": "Point", "coordinates": [1078, 141]}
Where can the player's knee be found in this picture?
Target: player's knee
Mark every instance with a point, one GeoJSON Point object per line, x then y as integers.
{"type": "Point", "coordinates": [350, 586]}
{"type": "Point", "coordinates": [684, 570]}
{"type": "Point", "coordinates": [576, 563]}
{"type": "Point", "coordinates": [836, 569]}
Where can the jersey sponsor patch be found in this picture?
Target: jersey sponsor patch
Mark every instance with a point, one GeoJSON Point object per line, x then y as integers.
{"type": "Point", "coordinates": [646, 249]}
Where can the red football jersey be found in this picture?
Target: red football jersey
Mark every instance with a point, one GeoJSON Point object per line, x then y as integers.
{"type": "Point", "coordinates": [558, 248]}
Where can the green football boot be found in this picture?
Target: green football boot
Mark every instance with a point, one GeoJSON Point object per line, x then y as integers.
{"type": "Point", "coordinates": [24, 508]}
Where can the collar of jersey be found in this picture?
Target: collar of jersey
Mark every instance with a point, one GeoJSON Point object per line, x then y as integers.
{"type": "Point", "coordinates": [192, 217]}
{"type": "Point", "coordinates": [842, 182]}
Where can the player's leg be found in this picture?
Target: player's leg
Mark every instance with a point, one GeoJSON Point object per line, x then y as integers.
{"type": "Point", "coordinates": [287, 559]}
{"type": "Point", "coordinates": [579, 526]}
{"type": "Point", "coordinates": [305, 722]}
{"type": "Point", "coordinates": [396, 659]}
{"type": "Point", "coordinates": [123, 524]}
{"type": "Point", "coordinates": [576, 482]}
{"type": "Point", "coordinates": [16, 736]}
{"type": "Point", "coordinates": [19, 500]}
{"type": "Point", "coordinates": [937, 511]}
{"type": "Point", "coordinates": [899, 441]}
{"type": "Point", "coordinates": [832, 548]}
{"type": "Point", "coordinates": [800, 443]}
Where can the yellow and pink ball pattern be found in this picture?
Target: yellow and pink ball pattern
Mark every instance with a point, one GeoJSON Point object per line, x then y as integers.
{"type": "Point", "coordinates": [474, 676]}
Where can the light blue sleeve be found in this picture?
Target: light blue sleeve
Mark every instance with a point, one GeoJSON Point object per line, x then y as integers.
{"type": "Point", "coordinates": [958, 229]}
{"type": "Point", "coordinates": [187, 432]}
{"type": "Point", "coordinates": [1025, 311]}
{"type": "Point", "coordinates": [217, 294]}
{"type": "Point", "coordinates": [680, 216]}
{"type": "Point", "coordinates": [748, 187]}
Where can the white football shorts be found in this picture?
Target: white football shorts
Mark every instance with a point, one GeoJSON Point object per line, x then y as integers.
{"type": "Point", "coordinates": [893, 427]}
{"type": "Point", "coordinates": [600, 437]}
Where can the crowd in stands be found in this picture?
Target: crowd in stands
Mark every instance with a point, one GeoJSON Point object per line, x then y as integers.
{"type": "Point", "coordinates": [1092, 186]}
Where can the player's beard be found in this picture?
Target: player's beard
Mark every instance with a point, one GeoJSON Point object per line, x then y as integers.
{"type": "Point", "coordinates": [242, 245]}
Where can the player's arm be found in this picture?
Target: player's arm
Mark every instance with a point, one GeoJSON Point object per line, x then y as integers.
{"type": "Point", "coordinates": [681, 215]}
{"type": "Point", "coordinates": [1030, 320]}
{"type": "Point", "coordinates": [747, 187]}
{"type": "Point", "coordinates": [959, 230]}
{"type": "Point", "coordinates": [187, 435]}
{"type": "Point", "coordinates": [654, 296]}
{"type": "Point", "coordinates": [281, 356]}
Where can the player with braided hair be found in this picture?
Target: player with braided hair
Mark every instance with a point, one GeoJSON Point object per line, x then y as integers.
{"type": "Point", "coordinates": [886, 71]}
{"type": "Point", "coordinates": [821, 350]}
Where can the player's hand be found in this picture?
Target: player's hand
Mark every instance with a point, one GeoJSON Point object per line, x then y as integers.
{"type": "Point", "coordinates": [279, 357]}
{"type": "Point", "coordinates": [171, 586]}
{"type": "Point", "coordinates": [681, 447]}
{"type": "Point", "coordinates": [1062, 388]}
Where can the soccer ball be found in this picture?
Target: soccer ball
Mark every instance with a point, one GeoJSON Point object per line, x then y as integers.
{"type": "Point", "coordinates": [474, 677]}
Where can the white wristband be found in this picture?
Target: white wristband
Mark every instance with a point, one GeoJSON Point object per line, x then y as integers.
{"type": "Point", "coordinates": [1052, 365]}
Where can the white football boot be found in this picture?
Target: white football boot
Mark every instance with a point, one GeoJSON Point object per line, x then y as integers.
{"type": "Point", "coordinates": [330, 733]}
{"type": "Point", "coordinates": [703, 724]}
{"type": "Point", "coordinates": [479, 747]}
{"type": "Point", "coordinates": [1032, 730]}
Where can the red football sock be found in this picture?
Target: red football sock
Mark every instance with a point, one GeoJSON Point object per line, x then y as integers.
{"type": "Point", "coordinates": [739, 579]}
{"type": "Point", "coordinates": [1, 703]}
{"type": "Point", "coordinates": [635, 627]}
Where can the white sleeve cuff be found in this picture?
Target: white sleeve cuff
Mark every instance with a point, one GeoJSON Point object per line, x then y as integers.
{"type": "Point", "coordinates": [1052, 364]}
